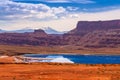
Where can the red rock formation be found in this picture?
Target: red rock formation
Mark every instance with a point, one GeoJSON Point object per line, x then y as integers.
{"type": "Point", "coordinates": [91, 34]}
{"type": "Point", "coordinates": [84, 27]}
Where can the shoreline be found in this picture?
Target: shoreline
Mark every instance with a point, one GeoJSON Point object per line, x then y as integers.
{"type": "Point", "coordinates": [104, 54]}
{"type": "Point", "coordinates": [30, 59]}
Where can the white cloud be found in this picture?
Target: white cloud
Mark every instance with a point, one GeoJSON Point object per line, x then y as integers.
{"type": "Point", "coordinates": [58, 10]}
{"type": "Point", "coordinates": [72, 8]}
{"type": "Point", "coordinates": [13, 10]}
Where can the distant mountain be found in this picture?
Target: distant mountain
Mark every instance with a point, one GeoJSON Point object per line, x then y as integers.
{"type": "Point", "coordinates": [23, 30]}
{"type": "Point", "coordinates": [17, 31]}
{"type": "Point", "coordinates": [2, 31]}
{"type": "Point", "coordinates": [49, 30]}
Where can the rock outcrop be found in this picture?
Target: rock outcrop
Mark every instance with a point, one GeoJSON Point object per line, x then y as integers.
{"type": "Point", "coordinates": [90, 34]}
{"type": "Point", "coordinates": [84, 27]}
{"type": "Point", "coordinates": [97, 34]}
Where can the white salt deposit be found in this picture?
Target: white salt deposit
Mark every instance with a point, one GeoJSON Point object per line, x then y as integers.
{"type": "Point", "coordinates": [61, 60]}
{"type": "Point", "coordinates": [55, 59]}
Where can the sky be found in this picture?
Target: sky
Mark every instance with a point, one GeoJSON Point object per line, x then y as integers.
{"type": "Point", "coordinates": [61, 15]}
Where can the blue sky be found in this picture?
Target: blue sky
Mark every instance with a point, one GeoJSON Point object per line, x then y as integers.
{"type": "Point", "coordinates": [61, 15]}
{"type": "Point", "coordinates": [91, 5]}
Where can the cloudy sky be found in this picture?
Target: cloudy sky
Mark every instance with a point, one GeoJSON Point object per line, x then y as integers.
{"type": "Point", "coordinates": [61, 15]}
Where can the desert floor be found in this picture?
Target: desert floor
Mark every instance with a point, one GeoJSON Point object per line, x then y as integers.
{"type": "Point", "coordinates": [55, 71]}
{"type": "Point", "coordinates": [19, 50]}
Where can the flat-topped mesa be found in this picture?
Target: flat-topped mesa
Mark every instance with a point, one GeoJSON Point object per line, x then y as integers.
{"type": "Point", "coordinates": [84, 27]}
{"type": "Point", "coordinates": [40, 32]}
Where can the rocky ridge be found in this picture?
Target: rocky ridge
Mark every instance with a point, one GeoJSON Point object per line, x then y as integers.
{"type": "Point", "coordinates": [90, 34]}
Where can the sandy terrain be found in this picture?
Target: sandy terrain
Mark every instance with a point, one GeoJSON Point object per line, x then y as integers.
{"type": "Point", "coordinates": [6, 59]}
{"type": "Point", "coordinates": [56, 71]}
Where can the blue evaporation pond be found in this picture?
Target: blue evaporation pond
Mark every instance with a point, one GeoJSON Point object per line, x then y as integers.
{"type": "Point", "coordinates": [82, 59]}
